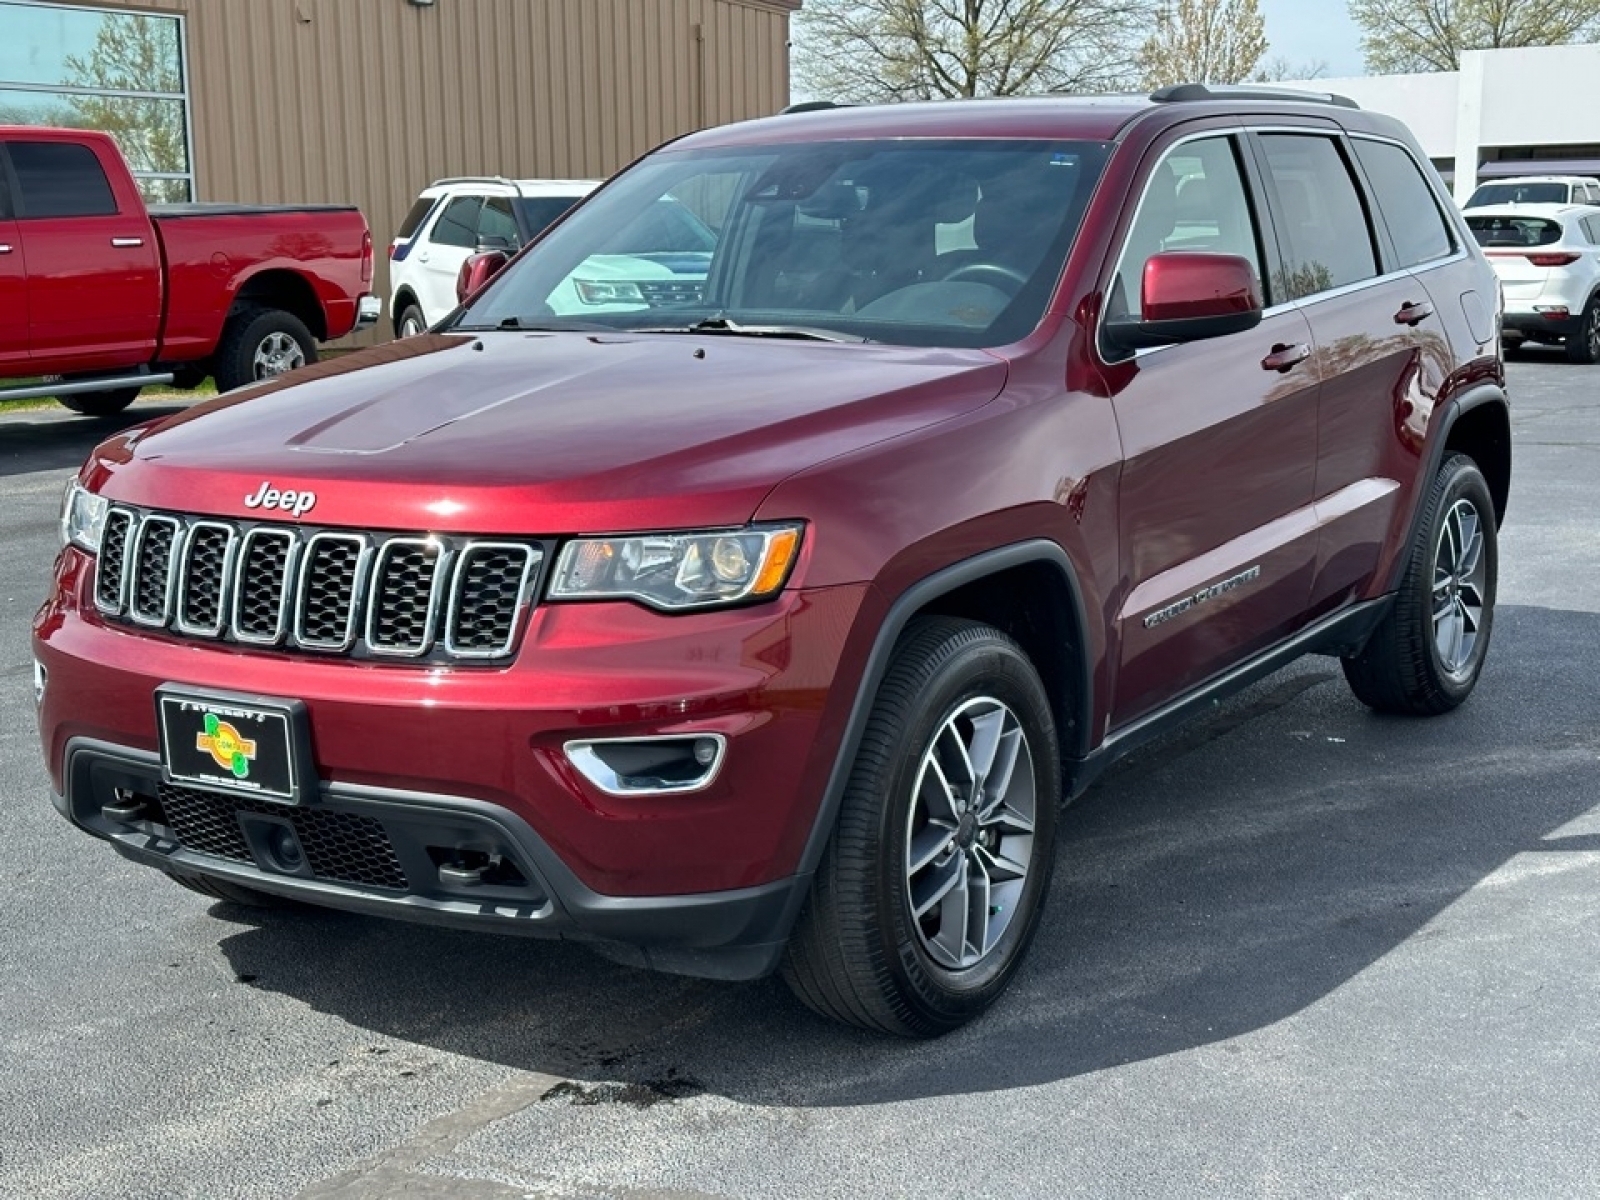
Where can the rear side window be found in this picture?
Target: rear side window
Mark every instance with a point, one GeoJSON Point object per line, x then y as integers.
{"type": "Point", "coordinates": [1406, 201]}
{"type": "Point", "coordinates": [419, 213]}
{"type": "Point", "coordinates": [60, 179]}
{"type": "Point", "coordinates": [1514, 231]}
{"type": "Point", "coordinates": [1322, 226]}
{"type": "Point", "coordinates": [1591, 226]}
{"type": "Point", "coordinates": [458, 223]}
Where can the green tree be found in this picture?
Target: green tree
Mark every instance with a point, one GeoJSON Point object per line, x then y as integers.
{"type": "Point", "coordinates": [869, 50]}
{"type": "Point", "coordinates": [1203, 41]}
{"type": "Point", "coordinates": [134, 53]}
{"type": "Point", "coordinates": [1429, 35]}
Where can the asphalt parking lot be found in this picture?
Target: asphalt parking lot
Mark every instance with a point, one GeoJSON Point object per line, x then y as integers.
{"type": "Point", "coordinates": [1293, 950]}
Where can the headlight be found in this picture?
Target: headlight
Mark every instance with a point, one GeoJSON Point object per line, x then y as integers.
{"type": "Point", "coordinates": [679, 570]}
{"type": "Point", "coordinates": [83, 516]}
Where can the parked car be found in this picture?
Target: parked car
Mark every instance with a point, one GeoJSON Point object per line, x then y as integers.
{"type": "Point", "coordinates": [452, 219]}
{"type": "Point", "coordinates": [1548, 259]}
{"type": "Point", "coordinates": [103, 297]}
{"type": "Point", "coordinates": [1537, 189]}
{"type": "Point", "coordinates": [769, 631]}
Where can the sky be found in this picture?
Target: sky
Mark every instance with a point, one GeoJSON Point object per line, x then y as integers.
{"type": "Point", "coordinates": [1304, 31]}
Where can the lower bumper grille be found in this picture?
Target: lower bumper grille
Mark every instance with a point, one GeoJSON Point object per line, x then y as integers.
{"type": "Point", "coordinates": [339, 846]}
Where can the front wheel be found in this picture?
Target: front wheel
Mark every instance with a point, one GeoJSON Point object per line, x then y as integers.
{"type": "Point", "coordinates": [410, 323]}
{"type": "Point", "coordinates": [1426, 656]}
{"type": "Point", "coordinates": [1583, 347]}
{"type": "Point", "coordinates": [932, 884]}
{"type": "Point", "coordinates": [261, 343]}
{"type": "Point", "coordinates": [100, 404]}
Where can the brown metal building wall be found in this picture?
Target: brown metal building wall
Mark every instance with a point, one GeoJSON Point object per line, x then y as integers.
{"type": "Point", "coordinates": [366, 101]}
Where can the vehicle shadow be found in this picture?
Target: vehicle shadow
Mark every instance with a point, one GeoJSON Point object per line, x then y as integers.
{"type": "Point", "coordinates": [1223, 880]}
{"type": "Point", "coordinates": [50, 439]}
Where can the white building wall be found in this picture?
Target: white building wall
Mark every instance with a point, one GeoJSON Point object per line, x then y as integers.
{"type": "Point", "coordinates": [1537, 96]}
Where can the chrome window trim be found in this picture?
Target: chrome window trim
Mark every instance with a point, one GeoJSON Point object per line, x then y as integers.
{"type": "Point", "coordinates": [441, 574]}
{"type": "Point", "coordinates": [100, 559]}
{"type": "Point", "coordinates": [533, 559]}
{"type": "Point", "coordinates": [242, 564]}
{"type": "Point", "coordinates": [168, 592]}
{"type": "Point", "coordinates": [358, 585]}
{"type": "Point", "coordinates": [180, 620]}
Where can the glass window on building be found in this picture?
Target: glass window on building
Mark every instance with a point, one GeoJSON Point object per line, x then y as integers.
{"type": "Point", "coordinates": [117, 71]}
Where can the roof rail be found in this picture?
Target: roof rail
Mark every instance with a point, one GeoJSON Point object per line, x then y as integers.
{"type": "Point", "coordinates": [501, 179]}
{"type": "Point", "coordinates": [812, 106]}
{"type": "Point", "coordinates": [1181, 93]}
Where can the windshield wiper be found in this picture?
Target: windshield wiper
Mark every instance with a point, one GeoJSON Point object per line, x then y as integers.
{"type": "Point", "coordinates": [725, 325]}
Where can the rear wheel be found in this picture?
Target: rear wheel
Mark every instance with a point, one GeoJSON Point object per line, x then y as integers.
{"type": "Point", "coordinates": [1583, 347]}
{"type": "Point", "coordinates": [1426, 656]}
{"type": "Point", "coordinates": [261, 343]}
{"type": "Point", "coordinates": [100, 404]}
{"type": "Point", "coordinates": [932, 884]}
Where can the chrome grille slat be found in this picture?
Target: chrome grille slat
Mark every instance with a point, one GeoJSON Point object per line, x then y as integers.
{"type": "Point", "coordinates": [321, 591]}
{"type": "Point", "coordinates": [153, 559]}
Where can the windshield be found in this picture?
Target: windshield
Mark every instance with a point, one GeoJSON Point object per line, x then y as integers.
{"type": "Point", "coordinates": [910, 242]}
{"type": "Point", "coordinates": [1518, 193]}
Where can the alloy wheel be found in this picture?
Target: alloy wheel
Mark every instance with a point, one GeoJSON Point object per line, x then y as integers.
{"type": "Point", "coordinates": [277, 353]}
{"type": "Point", "coordinates": [969, 834]}
{"type": "Point", "coordinates": [1460, 573]}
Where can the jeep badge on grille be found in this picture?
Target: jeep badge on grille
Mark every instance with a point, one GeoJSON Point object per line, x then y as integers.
{"type": "Point", "coordinates": [294, 503]}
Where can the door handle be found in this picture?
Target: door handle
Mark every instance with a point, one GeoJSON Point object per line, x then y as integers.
{"type": "Point", "coordinates": [1284, 359]}
{"type": "Point", "coordinates": [5, 248]}
{"type": "Point", "coordinates": [1412, 314]}
{"type": "Point", "coordinates": [127, 243]}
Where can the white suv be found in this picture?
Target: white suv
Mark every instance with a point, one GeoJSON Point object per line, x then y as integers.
{"type": "Point", "coordinates": [1548, 260]}
{"type": "Point", "coordinates": [453, 219]}
{"type": "Point", "coordinates": [1536, 189]}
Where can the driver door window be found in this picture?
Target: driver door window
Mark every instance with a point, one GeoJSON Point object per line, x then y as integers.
{"type": "Point", "coordinates": [1195, 200]}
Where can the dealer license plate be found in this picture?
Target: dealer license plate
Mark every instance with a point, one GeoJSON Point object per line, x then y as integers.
{"type": "Point", "coordinates": [250, 746]}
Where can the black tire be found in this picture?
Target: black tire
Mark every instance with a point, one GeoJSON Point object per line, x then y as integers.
{"type": "Point", "coordinates": [410, 322]}
{"type": "Point", "coordinates": [259, 343]}
{"type": "Point", "coordinates": [1583, 346]}
{"type": "Point", "coordinates": [1402, 668]}
{"type": "Point", "coordinates": [233, 893]}
{"type": "Point", "coordinates": [100, 404]}
{"type": "Point", "coordinates": [858, 953]}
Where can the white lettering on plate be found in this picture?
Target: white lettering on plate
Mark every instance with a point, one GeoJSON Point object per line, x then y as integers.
{"type": "Point", "coordinates": [296, 504]}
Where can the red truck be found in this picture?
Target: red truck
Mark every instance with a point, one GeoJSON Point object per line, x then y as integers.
{"type": "Point", "coordinates": [765, 625]}
{"type": "Point", "coordinates": [101, 297]}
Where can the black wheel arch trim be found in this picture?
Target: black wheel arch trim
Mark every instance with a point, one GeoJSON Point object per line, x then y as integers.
{"type": "Point", "coordinates": [911, 601]}
{"type": "Point", "coordinates": [1473, 398]}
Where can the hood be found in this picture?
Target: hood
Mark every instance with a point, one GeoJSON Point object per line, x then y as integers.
{"type": "Point", "coordinates": [537, 433]}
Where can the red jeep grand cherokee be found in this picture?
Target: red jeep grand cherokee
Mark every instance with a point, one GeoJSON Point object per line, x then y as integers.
{"type": "Point", "coordinates": [763, 621]}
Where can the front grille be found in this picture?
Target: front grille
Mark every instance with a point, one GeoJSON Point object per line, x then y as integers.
{"type": "Point", "coordinates": [660, 292]}
{"type": "Point", "coordinates": [339, 846]}
{"type": "Point", "coordinates": [365, 594]}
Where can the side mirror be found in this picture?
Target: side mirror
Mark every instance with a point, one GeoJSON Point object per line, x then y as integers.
{"type": "Point", "coordinates": [1186, 295]}
{"type": "Point", "coordinates": [494, 241]}
{"type": "Point", "coordinates": [477, 271]}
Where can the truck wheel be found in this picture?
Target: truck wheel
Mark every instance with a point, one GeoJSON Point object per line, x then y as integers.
{"type": "Point", "coordinates": [1427, 654]}
{"type": "Point", "coordinates": [100, 404]}
{"type": "Point", "coordinates": [233, 893]}
{"type": "Point", "coordinates": [410, 322]}
{"type": "Point", "coordinates": [1583, 346]}
{"type": "Point", "coordinates": [934, 878]}
{"type": "Point", "coordinates": [260, 343]}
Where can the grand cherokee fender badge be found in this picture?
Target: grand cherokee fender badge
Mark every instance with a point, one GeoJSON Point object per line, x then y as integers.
{"type": "Point", "coordinates": [294, 503]}
{"type": "Point", "coordinates": [1178, 607]}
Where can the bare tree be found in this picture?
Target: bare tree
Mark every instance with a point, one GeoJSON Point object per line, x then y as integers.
{"type": "Point", "coordinates": [1429, 35]}
{"type": "Point", "coordinates": [932, 49]}
{"type": "Point", "coordinates": [1278, 68]}
{"type": "Point", "coordinates": [131, 53]}
{"type": "Point", "coordinates": [1203, 41]}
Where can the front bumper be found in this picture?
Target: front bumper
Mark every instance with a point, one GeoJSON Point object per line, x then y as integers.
{"type": "Point", "coordinates": [388, 853]}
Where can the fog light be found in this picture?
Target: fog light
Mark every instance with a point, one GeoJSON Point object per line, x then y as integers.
{"type": "Point", "coordinates": [40, 678]}
{"type": "Point", "coordinates": [649, 766]}
{"type": "Point", "coordinates": [285, 850]}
